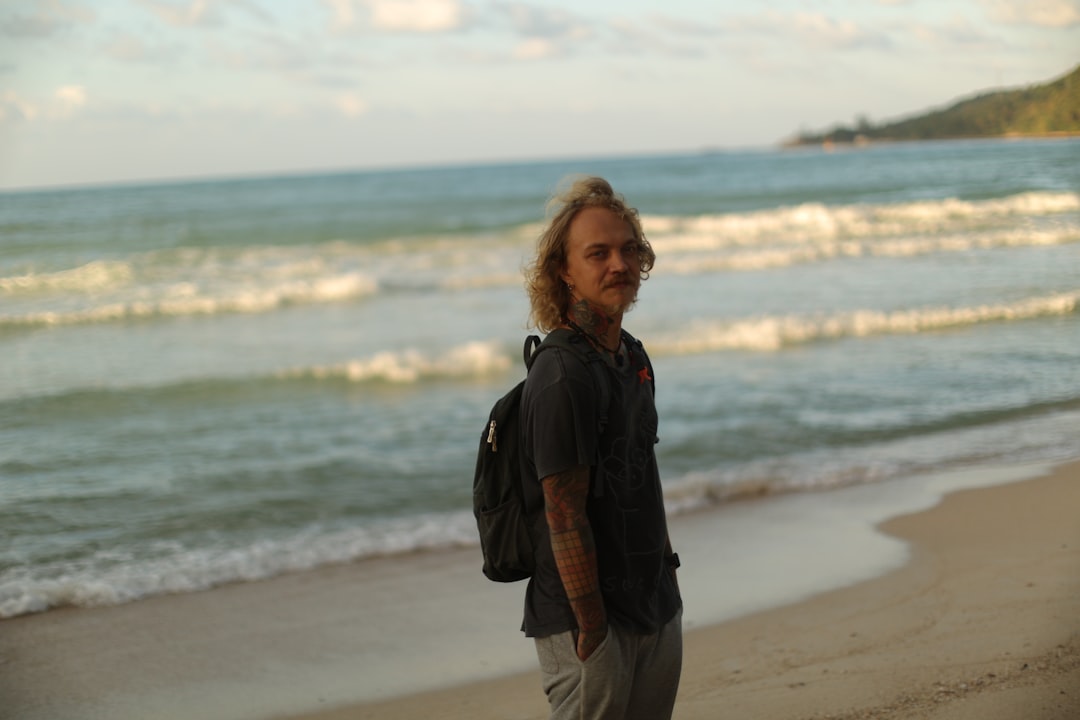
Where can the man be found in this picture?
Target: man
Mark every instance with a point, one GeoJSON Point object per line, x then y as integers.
{"type": "Point", "coordinates": [603, 603]}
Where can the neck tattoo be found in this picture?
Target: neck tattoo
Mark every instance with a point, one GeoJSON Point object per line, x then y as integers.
{"type": "Point", "coordinates": [594, 324]}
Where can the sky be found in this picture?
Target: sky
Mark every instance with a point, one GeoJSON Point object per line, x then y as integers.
{"type": "Point", "coordinates": [106, 91]}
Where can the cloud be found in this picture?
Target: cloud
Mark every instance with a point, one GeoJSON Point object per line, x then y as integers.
{"type": "Point", "coordinates": [422, 16]}
{"type": "Point", "coordinates": [809, 30]}
{"type": "Point", "coordinates": [680, 26]}
{"type": "Point", "coordinates": [131, 48]}
{"type": "Point", "coordinates": [543, 33]}
{"type": "Point", "coordinates": [398, 16]}
{"type": "Point", "coordinates": [199, 13]}
{"type": "Point", "coordinates": [533, 21]}
{"type": "Point", "coordinates": [270, 53]}
{"type": "Point", "coordinates": [65, 101]}
{"type": "Point", "coordinates": [194, 13]}
{"type": "Point", "coordinates": [957, 34]}
{"type": "Point", "coordinates": [351, 105]}
{"type": "Point", "coordinates": [343, 13]}
{"type": "Point", "coordinates": [1041, 13]}
{"type": "Point", "coordinates": [284, 59]}
{"type": "Point", "coordinates": [536, 33]}
{"type": "Point", "coordinates": [14, 107]}
{"type": "Point", "coordinates": [46, 20]}
{"type": "Point", "coordinates": [822, 31]}
{"type": "Point", "coordinates": [535, 49]}
{"type": "Point", "coordinates": [69, 98]}
{"type": "Point", "coordinates": [663, 36]}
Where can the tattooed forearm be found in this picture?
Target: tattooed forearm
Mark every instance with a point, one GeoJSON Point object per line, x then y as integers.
{"type": "Point", "coordinates": [565, 496]}
{"type": "Point", "coordinates": [575, 556]}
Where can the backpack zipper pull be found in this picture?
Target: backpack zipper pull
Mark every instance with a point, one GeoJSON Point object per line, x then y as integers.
{"type": "Point", "coordinates": [491, 437]}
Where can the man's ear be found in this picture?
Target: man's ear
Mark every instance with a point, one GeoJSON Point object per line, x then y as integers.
{"type": "Point", "coordinates": [564, 275]}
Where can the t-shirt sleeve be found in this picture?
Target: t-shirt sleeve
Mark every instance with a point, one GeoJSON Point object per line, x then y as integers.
{"type": "Point", "coordinates": [560, 420]}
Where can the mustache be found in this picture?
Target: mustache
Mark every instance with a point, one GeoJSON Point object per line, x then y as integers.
{"type": "Point", "coordinates": [622, 279]}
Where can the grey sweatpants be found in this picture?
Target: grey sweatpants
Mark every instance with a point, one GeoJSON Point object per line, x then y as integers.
{"type": "Point", "coordinates": [629, 677]}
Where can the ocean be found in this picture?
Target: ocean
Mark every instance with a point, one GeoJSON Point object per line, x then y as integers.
{"type": "Point", "coordinates": [225, 380]}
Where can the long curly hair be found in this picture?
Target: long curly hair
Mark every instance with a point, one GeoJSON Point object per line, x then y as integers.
{"type": "Point", "coordinates": [549, 297]}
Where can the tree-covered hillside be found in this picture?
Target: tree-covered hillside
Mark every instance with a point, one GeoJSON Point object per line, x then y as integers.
{"type": "Point", "coordinates": [1048, 109]}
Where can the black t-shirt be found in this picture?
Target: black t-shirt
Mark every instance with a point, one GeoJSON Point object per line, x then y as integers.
{"type": "Point", "coordinates": [626, 505]}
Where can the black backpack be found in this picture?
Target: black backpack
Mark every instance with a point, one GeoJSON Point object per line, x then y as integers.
{"type": "Point", "coordinates": [499, 504]}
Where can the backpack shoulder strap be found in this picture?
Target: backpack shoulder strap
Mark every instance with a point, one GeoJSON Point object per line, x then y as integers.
{"type": "Point", "coordinates": [573, 341]}
{"type": "Point", "coordinates": [527, 352]}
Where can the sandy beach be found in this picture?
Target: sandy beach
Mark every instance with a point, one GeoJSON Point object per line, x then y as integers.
{"type": "Point", "coordinates": [974, 615]}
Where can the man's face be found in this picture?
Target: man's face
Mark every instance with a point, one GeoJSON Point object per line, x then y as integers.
{"type": "Point", "coordinates": [602, 261]}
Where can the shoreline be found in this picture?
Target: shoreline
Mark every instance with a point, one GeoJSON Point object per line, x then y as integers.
{"type": "Point", "coordinates": [911, 643]}
{"type": "Point", "coordinates": [890, 623]}
{"type": "Point", "coordinates": [869, 142]}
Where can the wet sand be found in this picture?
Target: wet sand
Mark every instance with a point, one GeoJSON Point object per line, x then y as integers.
{"type": "Point", "coordinates": [963, 609]}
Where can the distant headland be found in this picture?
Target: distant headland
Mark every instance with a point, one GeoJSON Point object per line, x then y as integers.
{"type": "Point", "coordinates": [1043, 110]}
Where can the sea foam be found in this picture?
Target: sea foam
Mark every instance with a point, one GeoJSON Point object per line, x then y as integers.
{"type": "Point", "coordinates": [211, 281]}
{"type": "Point", "coordinates": [99, 582]}
{"type": "Point", "coordinates": [473, 359]}
{"type": "Point", "coordinates": [816, 221]}
{"type": "Point", "coordinates": [770, 333]}
{"type": "Point", "coordinates": [189, 298]}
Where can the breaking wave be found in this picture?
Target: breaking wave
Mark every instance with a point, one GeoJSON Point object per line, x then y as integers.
{"type": "Point", "coordinates": [256, 279]}
{"type": "Point", "coordinates": [770, 333]}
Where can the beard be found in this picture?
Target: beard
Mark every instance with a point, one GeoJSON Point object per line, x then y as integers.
{"type": "Point", "coordinates": [629, 290]}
